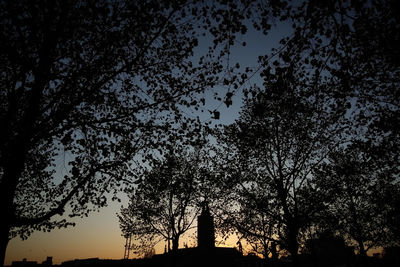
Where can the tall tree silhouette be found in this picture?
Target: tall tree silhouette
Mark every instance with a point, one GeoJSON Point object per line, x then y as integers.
{"type": "Point", "coordinates": [93, 84]}
{"type": "Point", "coordinates": [354, 45]}
{"type": "Point", "coordinates": [165, 203]}
{"type": "Point", "coordinates": [350, 51]}
{"type": "Point", "coordinates": [361, 191]}
{"type": "Point", "coordinates": [283, 133]}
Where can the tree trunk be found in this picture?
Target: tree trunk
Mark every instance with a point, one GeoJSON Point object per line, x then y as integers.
{"type": "Point", "coordinates": [4, 230]}
{"type": "Point", "coordinates": [175, 244]}
{"type": "Point", "coordinates": [293, 253]}
{"type": "Point", "coordinates": [274, 252]}
{"type": "Point", "coordinates": [7, 210]}
{"type": "Point", "coordinates": [265, 254]}
{"type": "Point", "coordinates": [293, 245]}
{"type": "Point", "coordinates": [8, 186]}
{"type": "Point", "coordinates": [267, 262]}
{"type": "Point", "coordinates": [363, 253]}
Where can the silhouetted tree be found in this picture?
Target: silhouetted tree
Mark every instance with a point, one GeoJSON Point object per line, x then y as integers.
{"type": "Point", "coordinates": [351, 45]}
{"type": "Point", "coordinates": [254, 224]}
{"type": "Point", "coordinates": [350, 51]}
{"type": "Point", "coordinates": [90, 85]}
{"type": "Point", "coordinates": [283, 133]}
{"type": "Point", "coordinates": [361, 191]}
{"type": "Point", "coordinates": [245, 210]}
{"type": "Point", "coordinates": [165, 203]}
{"type": "Point", "coordinates": [354, 46]}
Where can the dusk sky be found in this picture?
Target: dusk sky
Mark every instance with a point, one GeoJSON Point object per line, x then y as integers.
{"type": "Point", "coordinates": [99, 235]}
{"type": "Point", "coordinates": [108, 98]}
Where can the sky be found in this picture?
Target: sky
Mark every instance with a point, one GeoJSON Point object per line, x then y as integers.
{"type": "Point", "coordinates": [95, 236]}
{"type": "Point", "coordinates": [99, 235]}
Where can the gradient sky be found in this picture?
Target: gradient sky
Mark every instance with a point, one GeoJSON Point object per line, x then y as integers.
{"type": "Point", "coordinates": [95, 236]}
{"type": "Point", "coordinates": [99, 235]}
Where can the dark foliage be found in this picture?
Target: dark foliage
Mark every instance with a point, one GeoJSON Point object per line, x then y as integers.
{"type": "Point", "coordinates": [93, 86]}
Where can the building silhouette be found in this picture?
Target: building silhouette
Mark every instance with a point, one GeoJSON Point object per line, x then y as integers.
{"type": "Point", "coordinates": [25, 262]}
{"type": "Point", "coordinates": [325, 251]}
{"type": "Point", "coordinates": [205, 229]}
{"type": "Point", "coordinates": [206, 253]}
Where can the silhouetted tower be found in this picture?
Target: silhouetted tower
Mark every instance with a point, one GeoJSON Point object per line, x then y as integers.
{"type": "Point", "coordinates": [205, 228]}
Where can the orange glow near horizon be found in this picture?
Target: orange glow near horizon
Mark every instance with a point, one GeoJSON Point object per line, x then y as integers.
{"type": "Point", "coordinates": [97, 236]}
